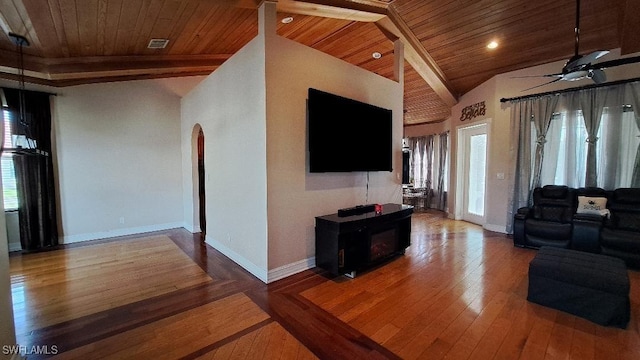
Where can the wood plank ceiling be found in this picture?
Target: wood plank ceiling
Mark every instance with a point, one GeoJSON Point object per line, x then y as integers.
{"type": "Point", "coordinates": [85, 41]}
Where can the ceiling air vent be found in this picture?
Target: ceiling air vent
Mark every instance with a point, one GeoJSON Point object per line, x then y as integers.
{"type": "Point", "coordinates": [158, 43]}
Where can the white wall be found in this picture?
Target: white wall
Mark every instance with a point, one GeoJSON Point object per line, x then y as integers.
{"type": "Point", "coordinates": [261, 201]}
{"type": "Point", "coordinates": [295, 196]}
{"type": "Point", "coordinates": [506, 86]}
{"type": "Point", "coordinates": [118, 158]}
{"type": "Point", "coordinates": [229, 105]}
{"type": "Point", "coordinates": [118, 154]}
{"type": "Point", "coordinates": [426, 129]}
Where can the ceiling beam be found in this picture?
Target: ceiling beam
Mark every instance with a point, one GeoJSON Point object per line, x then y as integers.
{"type": "Point", "coordinates": [418, 57]}
{"type": "Point", "coordinates": [390, 23]}
{"type": "Point", "coordinates": [336, 9]}
{"type": "Point", "coordinates": [630, 23]}
{"type": "Point", "coordinates": [61, 70]}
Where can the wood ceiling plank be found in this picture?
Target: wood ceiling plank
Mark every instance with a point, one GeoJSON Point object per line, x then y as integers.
{"type": "Point", "coordinates": [4, 23]}
{"type": "Point", "coordinates": [186, 26]}
{"type": "Point", "coordinates": [146, 21]}
{"type": "Point", "coordinates": [328, 36]}
{"type": "Point", "coordinates": [310, 30]}
{"type": "Point", "coordinates": [168, 19]}
{"type": "Point", "coordinates": [129, 14]}
{"type": "Point", "coordinates": [246, 32]}
{"type": "Point", "coordinates": [360, 50]}
{"type": "Point", "coordinates": [112, 22]}
{"type": "Point", "coordinates": [18, 21]}
{"type": "Point", "coordinates": [468, 21]}
{"type": "Point", "coordinates": [139, 21]}
{"type": "Point", "coordinates": [199, 25]}
{"type": "Point", "coordinates": [87, 12]}
{"type": "Point", "coordinates": [40, 15]}
{"type": "Point", "coordinates": [56, 17]}
{"type": "Point", "coordinates": [69, 17]}
{"type": "Point", "coordinates": [101, 26]}
{"type": "Point", "coordinates": [533, 21]}
{"type": "Point", "coordinates": [159, 25]}
{"type": "Point", "coordinates": [211, 38]}
{"type": "Point", "coordinates": [629, 39]}
{"type": "Point", "coordinates": [419, 58]}
{"type": "Point", "coordinates": [183, 14]}
{"type": "Point", "coordinates": [228, 32]}
{"type": "Point", "coordinates": [353, 40]}
{"type": "Point", "coordinates": [242, 4]}
{"type": "Point", "coordinates": [237, 37]}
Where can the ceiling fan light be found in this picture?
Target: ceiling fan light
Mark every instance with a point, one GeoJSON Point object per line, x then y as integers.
{"type": "Point", "coordinates": [576, 75]}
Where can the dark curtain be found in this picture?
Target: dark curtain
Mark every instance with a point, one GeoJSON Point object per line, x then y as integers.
{"type": "Point", "coordinates": [443, 149]}
{"type": "Point", "coordinates": [34, 170]}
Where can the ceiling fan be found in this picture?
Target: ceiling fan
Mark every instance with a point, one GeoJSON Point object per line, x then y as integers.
{"type": "Point", "coordinates": [581, 66]}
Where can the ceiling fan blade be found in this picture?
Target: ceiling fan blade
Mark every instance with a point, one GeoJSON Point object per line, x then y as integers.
{"type": "Point", "coordinates": [537, 76]}
{"type": "Point", "coordinates": [617, 62]}
{"type": "Point", "coordinates": [547, 83]}
{"type": "Point", "coordinates": [598, 76]}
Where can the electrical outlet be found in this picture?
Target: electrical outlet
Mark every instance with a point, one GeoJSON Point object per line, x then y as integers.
{"type": "Point", "coordinates": [122, 220]}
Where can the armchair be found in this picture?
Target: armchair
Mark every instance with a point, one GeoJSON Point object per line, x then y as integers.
{"type": "Point", "coordinates": [549, 221]}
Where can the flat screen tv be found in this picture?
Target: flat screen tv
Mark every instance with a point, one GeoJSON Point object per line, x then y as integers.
{"type": "Point", "coordinates": [346, 135]}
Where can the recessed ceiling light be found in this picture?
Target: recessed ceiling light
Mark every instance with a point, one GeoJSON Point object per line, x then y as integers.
{"type": "Point", "coordinates": [492, 45]}
{"type": "Point", "coordinates": [376, 55]}
{"type": "Point", "coordinates": [287, 20]}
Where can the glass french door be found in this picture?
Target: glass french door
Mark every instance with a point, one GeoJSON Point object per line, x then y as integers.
{"type": "Point", "coordinates": [473, 157]}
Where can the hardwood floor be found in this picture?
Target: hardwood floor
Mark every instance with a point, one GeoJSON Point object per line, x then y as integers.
{"type": "Point", "coordinates": [459, 292]}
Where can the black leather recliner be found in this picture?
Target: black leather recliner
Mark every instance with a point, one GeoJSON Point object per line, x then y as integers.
{"type": "Point", "coordinates": [620, 234]}
{"type": "Point", "coordinates": [549, 222]}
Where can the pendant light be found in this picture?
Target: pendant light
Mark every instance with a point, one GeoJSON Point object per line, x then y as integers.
{"type": "Point", "coordinates": [24, 141]}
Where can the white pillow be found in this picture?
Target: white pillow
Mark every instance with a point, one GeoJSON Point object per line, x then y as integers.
{"type": "Point", "coordinates": [592, 205]}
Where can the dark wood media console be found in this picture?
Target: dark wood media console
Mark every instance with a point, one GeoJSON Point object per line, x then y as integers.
{"type": "Point", "coordinates": [348, 244]}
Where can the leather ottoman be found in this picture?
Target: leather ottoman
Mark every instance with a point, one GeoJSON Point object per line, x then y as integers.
{"type": "Point", "coordinates": [592, 286]}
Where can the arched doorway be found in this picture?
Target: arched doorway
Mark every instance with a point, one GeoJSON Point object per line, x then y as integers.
{"type": "Point", "coordinates": [201, 184]}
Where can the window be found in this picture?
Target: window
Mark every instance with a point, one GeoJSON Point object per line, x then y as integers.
{"type": "Point", "coordinates": [618, 142]}
{"type": "Point", "coordinates": [9, 189]}
{"type": "Point", "coordinates": [565, 149]}
{"type": "Point", "coordinates": [427, 164]}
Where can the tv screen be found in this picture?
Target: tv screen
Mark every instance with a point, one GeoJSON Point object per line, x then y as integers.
{"type": "Point", "coordinates": [347, 135]}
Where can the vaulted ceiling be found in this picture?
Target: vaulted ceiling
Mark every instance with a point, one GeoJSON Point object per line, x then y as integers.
{"type": "Point", "coordinates": [86, 41]}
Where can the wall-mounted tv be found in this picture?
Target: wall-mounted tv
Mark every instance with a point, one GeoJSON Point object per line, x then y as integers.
{"type": "Point", "coordinates": [347, 135]}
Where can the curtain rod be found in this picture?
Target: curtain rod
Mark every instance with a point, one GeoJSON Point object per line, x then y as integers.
{"type": "Point", "coordinates": [557, 92]}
